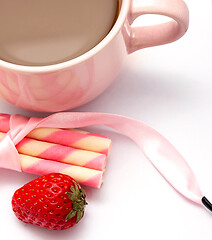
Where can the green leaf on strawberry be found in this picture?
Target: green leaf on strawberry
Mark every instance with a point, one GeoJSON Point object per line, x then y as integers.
{"type": "Point", "coordinates": [77, 196]}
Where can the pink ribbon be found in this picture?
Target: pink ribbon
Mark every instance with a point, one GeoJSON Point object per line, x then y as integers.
{"type": "Point", "coordinates": [165, 158]}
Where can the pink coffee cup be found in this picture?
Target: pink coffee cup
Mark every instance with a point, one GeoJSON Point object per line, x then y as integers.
{"type": "Point", "coordinates": [72, 83]}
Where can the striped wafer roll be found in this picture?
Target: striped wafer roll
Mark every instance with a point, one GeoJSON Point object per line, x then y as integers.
{"type": "Point", "coordinates": [69, 137]}
{"type": "Point", "coordinates": [59, 153]}
{"type": "Point", "coordinates": [85, 176]}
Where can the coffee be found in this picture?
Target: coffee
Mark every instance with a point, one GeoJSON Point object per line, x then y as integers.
{"type": "Point", "coordinates": [45, 32]}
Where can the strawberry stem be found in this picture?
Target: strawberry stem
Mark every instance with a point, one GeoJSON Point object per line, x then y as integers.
{"type": "Point", "coordinates": [77, 196]}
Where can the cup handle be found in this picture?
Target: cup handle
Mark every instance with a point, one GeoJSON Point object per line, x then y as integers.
{"type": "Point", "coordinates": [149, 36]}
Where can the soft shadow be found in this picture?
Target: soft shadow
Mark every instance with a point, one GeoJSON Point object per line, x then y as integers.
{"type": "Point", "coordinates": [9, 177]}
{"type": "Point", "coordinates": [42, 233]}
{"type": "Point", "coordinates": [134, 90]}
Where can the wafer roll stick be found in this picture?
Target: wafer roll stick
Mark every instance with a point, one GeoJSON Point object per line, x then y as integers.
{"type": "Point", "coordinates": [59, 153]}
{"type": "Point", "coordinates": [69, 137]}
{"type": "Point", "coordinates": [85, 176]}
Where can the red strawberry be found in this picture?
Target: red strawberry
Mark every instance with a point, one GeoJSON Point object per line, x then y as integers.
{"type": "Point", "coordinates": [54, 201]}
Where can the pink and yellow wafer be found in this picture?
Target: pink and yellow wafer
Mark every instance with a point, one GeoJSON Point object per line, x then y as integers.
{"type": "Point", "coordinates": [85, 176]}
{"type": "Point", "coordinates": [60, 153]}
{"type": "Point", "coordinates": [68, 137]}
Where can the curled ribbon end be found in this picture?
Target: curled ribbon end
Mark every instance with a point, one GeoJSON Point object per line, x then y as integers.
{"type": "Point", "coordinates": [207, 203]}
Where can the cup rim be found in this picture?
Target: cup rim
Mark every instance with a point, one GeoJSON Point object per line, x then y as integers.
{"type": "Point", "coordinates": [66, 64]}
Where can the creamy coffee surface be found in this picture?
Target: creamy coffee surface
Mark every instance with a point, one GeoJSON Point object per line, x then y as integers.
{"type": "Point", "coordinates": [45, 32]}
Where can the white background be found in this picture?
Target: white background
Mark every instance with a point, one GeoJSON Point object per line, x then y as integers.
{"type": "Point", "coordinates": [168, 87]}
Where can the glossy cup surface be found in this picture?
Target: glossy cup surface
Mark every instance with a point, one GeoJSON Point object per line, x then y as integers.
{"type": "Point", "coordinates": [72, 83]}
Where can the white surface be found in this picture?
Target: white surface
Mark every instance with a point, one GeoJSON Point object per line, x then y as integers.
{"type": "Point", "coordinates": [168, 87]}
